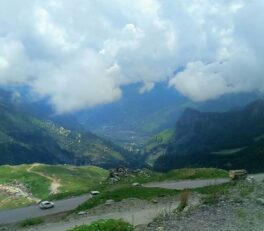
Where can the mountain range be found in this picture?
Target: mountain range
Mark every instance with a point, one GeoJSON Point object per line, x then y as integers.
{"type": "Point", "coordinates": [137, 117]}
{"type": "Point", "coordinates": [233, 139]}
{"type": "Point", "coordinates": [26, 138]}
{"type": "Point", "coordinates": [216, 133]}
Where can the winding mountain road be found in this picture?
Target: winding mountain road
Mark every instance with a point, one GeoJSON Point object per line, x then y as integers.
{"type": "Point", "coordinates": [17, 215]}
{"type": "Point", "coordinates": [20, 214]}
{"type": "Point", "coordinates": [186, 184]}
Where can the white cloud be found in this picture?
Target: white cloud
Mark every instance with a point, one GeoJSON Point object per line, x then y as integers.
{"type": "Point", "coordinates": [80, 53]}
{"type": "Point", "coordinates": [52, 33]}
{"type": "Point", "coordinates": [238, 64]}
{"type": "Point", "coordinates": [15, 66]}
{"type": "Point", "coordinates": [148, 86]}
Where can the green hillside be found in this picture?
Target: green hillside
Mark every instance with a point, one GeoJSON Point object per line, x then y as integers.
{"type": "Point", "coordinates": [34, 182]}
{"type": "Point", "coordinates": [157, 146]}
{"type": "Point", "coordinates": [227, 140]}
{"type": "Point", "coordinates": [27, 139]}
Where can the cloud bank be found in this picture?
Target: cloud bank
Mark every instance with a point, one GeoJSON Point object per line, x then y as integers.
{"type": "Point", "coordinates": [80, 53]}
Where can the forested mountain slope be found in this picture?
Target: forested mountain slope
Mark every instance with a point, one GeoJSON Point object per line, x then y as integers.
{"type": "Point", "coordinates": [232, 139]}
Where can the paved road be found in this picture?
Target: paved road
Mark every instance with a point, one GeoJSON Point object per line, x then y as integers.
{"type": "Point", "coordinates": [186, 184]}
{"type": "Point", "coordinates": [136, 216]}
{"type": "Point", "coordinates": [189, 184]}
{"type": "Point", "coordinates": [16, 215]}
{"type": "Point", "coordinates": [258, 177]}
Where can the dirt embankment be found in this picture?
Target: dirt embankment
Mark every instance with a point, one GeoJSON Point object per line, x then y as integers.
{"type": "Point", "coordinates": [16, 189]}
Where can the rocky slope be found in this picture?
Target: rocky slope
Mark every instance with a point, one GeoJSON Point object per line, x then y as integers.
{"type": "Point", "coordinates": [239, 210]}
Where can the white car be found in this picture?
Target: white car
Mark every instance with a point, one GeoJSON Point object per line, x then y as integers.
{"type": "Point", "coordinates": [250, 179]}
{"type": "Point", "coordinates": [94, 193]}
{"type": "Point", "coordinates": [46, 204]}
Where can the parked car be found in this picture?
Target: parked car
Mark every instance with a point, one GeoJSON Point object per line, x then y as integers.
{"type": "Point", "coordinates": [94, 193]}
{"type": "Point", "coordinates": [46, 204]}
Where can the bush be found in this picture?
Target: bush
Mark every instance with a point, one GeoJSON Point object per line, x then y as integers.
{"type": "Point", "coordinates": [105, 225]}
{"type": "Point", "coordinates": [31, 222]}
{"type": "Point", "coordinates": [184, 197]}
{"type": "Point", "coordinates": [213, 192]}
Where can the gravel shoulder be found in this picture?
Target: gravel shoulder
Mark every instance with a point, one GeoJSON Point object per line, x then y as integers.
{"type": "Point", "coordinates": [134, 211]}
{"type": "Point", "coordinates": [241, 210]}
{"type": "Point", "coordinates": [224, 216]}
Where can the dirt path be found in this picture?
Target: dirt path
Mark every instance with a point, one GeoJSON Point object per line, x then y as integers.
{"type": "Point", "coordinates": [55, 182]}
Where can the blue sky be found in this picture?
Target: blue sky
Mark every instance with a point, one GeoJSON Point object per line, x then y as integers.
{"type": "Point", "coordinates": [81, 53]}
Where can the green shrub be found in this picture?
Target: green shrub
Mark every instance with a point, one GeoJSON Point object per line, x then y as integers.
{"type": "Point", "coordinates": [240, 213]}
{"type": "Point", "coordinates": [246, 189]}
{"type": "Point", "coordinates": [105, 225]}
{"type": "Point", "coordinates": [213, 192]}
{"type": "Point", "coordinates": [184, 197]}
{"type": "Point", "coordinates": [31, 222]}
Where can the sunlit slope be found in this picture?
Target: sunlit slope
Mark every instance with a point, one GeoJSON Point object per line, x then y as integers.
{"type": "Point", "coordinates": [26, 184]}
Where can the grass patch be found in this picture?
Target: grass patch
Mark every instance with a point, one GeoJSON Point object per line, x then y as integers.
{"type": "Point", "coordinates": [245, 190]}
{"type": "Point", "coordinates": [125, 192]}
{"type": "Point", "coordinates": [178, 174]}
{"type": "Point", "coordinates": [7, 202]}
{"type": "Point", "coordinates": [63, 195]}
{"type": "Point", "coordinates": [212, 193]}
{"type": "Point", "coordinates": [30, 222]}
{"type": "Point", "coordinates": [74, 180]}
{"type": "Point", "coordinates": [240, 213]}
{"type": "Point", "coordinates": [196, 173]}
{"type": "Point", "coordinates": [105, 225]}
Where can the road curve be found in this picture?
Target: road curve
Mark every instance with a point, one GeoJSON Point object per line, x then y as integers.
{"type": "Point", "coordinates": [190, 184]}
{"type": "Point", "coordinates": [186, 184]}
{"type": "Point", "coordinates": [20, 214]}
{"type": "Point", "coordinates": [137, 216]}
{"type": "Point", "coordinates": [16, 215]}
